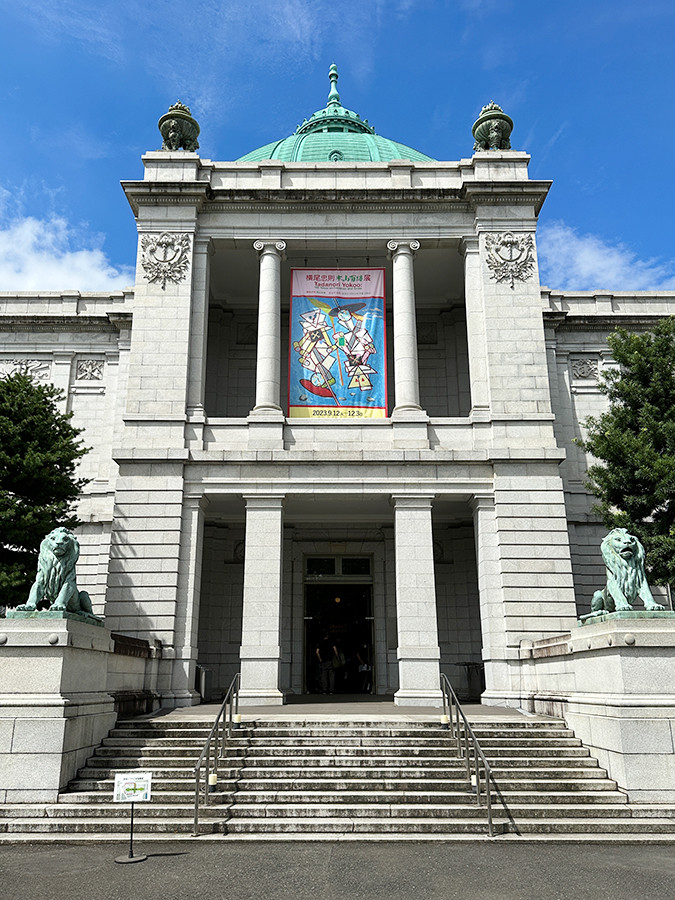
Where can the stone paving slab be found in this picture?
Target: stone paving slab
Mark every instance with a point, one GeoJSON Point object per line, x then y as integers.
{"type": "Point", "coordinates": [339, 709]}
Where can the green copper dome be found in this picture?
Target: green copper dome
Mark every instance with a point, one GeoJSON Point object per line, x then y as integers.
{"type": "Point", "coordinates": [334, 134]}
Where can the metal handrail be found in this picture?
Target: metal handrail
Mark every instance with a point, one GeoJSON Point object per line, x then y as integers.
{"type": "Point", "coordinates": [213, 748]}
{"type": "Point", "coordinates": [462, 734]}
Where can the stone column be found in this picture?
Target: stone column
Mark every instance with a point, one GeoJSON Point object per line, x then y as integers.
{"type": "Point", "coordinates": [261, 617]}
{"type": "Point", "coordinates": [199, 320]}
{"type": "Point", "coordinates": [417, 621]}
{"type": "Point", "coordinates": [268, 365]}
{"type": "Point", "coordinates": [406, 374]}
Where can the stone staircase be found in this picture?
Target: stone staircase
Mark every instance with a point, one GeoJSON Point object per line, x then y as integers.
{"type": "Point", "coordinates": [379, 779]}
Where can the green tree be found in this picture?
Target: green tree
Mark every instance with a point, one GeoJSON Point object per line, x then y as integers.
{"type": "Point", "coordinates": [39, 450]}
{"type": "Point", "coordinates": [634, 443]}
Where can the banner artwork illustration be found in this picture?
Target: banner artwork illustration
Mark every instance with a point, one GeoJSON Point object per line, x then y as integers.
{"type": "Point", "coordinates": [337, 359]}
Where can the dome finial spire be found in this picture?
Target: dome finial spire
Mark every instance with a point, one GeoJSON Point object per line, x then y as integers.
{"type": "Point", "coordinates": [333, 97]}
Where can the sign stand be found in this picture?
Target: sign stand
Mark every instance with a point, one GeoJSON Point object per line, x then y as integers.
{"type": "Point", "coordinates": [131, 787]}
{"type": "Point", "coordinates": [131, 858]}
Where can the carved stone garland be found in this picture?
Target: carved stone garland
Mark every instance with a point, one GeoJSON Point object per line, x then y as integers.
{"type": "Point", "coordinates": [89, 370]}
{"type": "Point", "coordinates": [510, 257]}
{"type": "Point", "coordinates": [165, 257]}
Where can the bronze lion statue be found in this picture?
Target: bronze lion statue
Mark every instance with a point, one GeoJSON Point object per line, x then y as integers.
{"type": "Point", "coordinates": [55, 580]}
{"type": "Point", "coordinates": [624, 558]}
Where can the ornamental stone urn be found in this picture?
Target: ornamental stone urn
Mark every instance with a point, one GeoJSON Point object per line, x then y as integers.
{"type": "Point", "coordinates": [178, 129]}
{"type": "Point", "coordinates": [492, 129]}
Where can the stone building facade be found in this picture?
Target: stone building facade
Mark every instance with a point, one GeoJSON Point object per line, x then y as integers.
{"type": "Point", "coordinates": [451, 532]}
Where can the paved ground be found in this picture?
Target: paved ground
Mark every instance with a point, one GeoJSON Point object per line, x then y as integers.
{"type": "Point", "coordinates": [329, 871]}
{"type": "Point", "coordinates": [341, 707]}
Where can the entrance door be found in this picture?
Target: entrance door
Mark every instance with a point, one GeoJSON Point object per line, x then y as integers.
{"type": "Point", "coordinates": [343, 612]}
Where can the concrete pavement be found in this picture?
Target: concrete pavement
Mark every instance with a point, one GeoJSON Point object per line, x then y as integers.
{"type": "Point", "coordinates": [338, 871]}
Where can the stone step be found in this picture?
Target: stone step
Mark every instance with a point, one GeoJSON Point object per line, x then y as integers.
{"type": "Point", "coordinates": [579, 825]}
{"type": "Point", "coordinates": [173, 797]}
{"type": "Point", "coordinates": [431, 824]}
{"type": "Point", "coordinates": [396, 810]}
{"type": "Point", "coordinates": [152, 809]}
{"type": "Point", "coordinates": [104, 769]}
{"type": "Point", "coordinates": [555, 807]}
{"type": "Point", "coordinates": [455, 767]}
{"type": "Point", "coordinates": [388, 733]}
{"type": "Point", "coordinates": [108, 825]}
{"type": "Point", "coordinates": [264, 825]}
{"type": "Point", "coordinates": [394, 781]}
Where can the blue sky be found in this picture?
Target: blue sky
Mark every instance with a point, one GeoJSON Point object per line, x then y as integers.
{"type": "Point", "coordinates": [588, 84]}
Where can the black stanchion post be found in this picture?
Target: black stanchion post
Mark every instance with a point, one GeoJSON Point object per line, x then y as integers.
{"type": "Point", "coordinates": [131, 858]}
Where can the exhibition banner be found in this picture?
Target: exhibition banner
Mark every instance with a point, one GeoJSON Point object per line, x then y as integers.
{"type": "Point", "coordinates": [337, 356]}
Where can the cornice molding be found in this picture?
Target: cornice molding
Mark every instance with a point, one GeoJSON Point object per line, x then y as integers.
{"type": "Point", "coordinates": [57, 323]}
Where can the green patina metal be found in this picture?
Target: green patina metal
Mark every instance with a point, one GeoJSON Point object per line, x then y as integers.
{"type": "Point", "coordinates": [335, 134]}
{"type": "Point", "coordinates": [492, 129]}
{"type": "Point", "coordinates": [55, 582]}
{"type": "Point", "coordinates": [178, 129]}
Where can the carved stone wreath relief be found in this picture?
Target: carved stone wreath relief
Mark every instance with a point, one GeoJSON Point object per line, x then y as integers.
{"type": "Point", "coordinates": [165, 257]}
{"type": "Point", "coordinates": [39, 369]}
{"type": "Point", "coordinates": [510, 257]}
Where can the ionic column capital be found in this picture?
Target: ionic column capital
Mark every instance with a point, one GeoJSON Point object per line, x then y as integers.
{"type": "Point", "coordinates": [407, 247]}
{"type": "Point", "coordinates": [275, 247]}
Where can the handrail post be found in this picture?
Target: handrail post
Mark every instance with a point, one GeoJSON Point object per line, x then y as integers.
{"type": "Point", "coordinates": [195, 826]}
{"type": "Point", "coordinates": [478, 782]}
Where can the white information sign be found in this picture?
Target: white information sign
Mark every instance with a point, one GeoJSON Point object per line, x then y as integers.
{"type": "Point", "coordinates": [133, 787]}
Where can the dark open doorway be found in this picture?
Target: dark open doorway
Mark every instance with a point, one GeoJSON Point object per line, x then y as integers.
{"type": "Point", "coordinates": [343, 613]}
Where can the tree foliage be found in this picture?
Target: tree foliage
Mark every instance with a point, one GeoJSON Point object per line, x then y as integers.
{"type": "Point", "coordinates": [39, 450]}
{"type": "Point", "coordinates": [634, 443]}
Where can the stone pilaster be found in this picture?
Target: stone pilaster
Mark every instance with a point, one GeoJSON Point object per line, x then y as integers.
{"type": "Point", "coordinates": [524, 570]}
{"type": "Point", "coordinates": [261, 618]}
{"type": "Point", "coordinates": [187, 610]}
{"type": "Point", "coordinates": [157, 394]}
{"type": "Point", "coordinates": [416, 617]}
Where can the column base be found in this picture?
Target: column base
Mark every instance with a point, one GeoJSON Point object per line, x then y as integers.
{"type": "Point", "coordinates": [261, 698]}
{"type": "Point", "coordinates": [410, 428]}
{"type": "Point", "coordinates": [418, 698]}
{"type": "Point", "coordinates": [265, 429]}
{"type": "Point", "coordinates": [266, 414]}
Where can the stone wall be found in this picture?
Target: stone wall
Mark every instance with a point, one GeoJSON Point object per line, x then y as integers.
{"type": "Point", "coordinates": [613, 681]}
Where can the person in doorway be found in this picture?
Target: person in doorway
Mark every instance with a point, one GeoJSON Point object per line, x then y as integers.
{"type": "Point", "coordinates": [364, 656]}
{"type": "Point", "coordinates": [326, 651]}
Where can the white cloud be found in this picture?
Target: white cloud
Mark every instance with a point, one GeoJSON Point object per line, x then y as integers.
{"type": "Point", "coordinates": [569, 260]}
{"type": "Point", "coordinates": [42, 254]}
